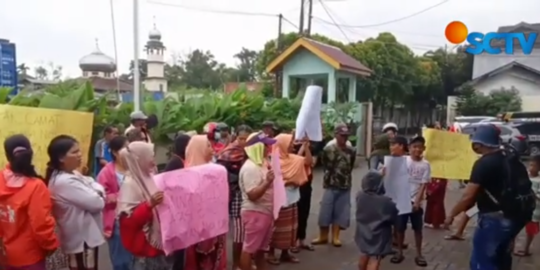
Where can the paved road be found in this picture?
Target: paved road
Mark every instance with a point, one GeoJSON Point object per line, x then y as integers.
{"type": "Point", "coordinates": [440, 254]}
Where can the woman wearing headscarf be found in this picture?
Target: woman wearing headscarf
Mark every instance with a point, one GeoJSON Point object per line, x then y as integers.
{"type": "Point", "coordinates": [295, 170]}
{"type": "Point", "coordinates": [111, 178]}
{"type": "Point", "coordinates": [232, 158]}
{"type": "Point", "coordinates": [27, 227]}
{"type": "Point", "coordinates": [373, 235]}
{"type": "Point", "coordinates": [209, 254]}
{"type": "Point", "coordinates": [138, 219]}
{"type": "Point", "coordinates": [256, 185]}
{"type": "Point", "coordinates": [178, 153]}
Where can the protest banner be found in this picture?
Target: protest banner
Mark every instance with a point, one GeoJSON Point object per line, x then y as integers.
{"type": "Point", "coordinates": [396, 183]}
{"type": "Point", "coordinates": [41, 126]}
{"type": "Point", "coordinates": [195, 205]}
{"type": "Point", "coordinates": [280, 197]}
{"type": "Point", "coordinates": [308, 121]}
{"type": "Point", "coordinates": [450, 154]}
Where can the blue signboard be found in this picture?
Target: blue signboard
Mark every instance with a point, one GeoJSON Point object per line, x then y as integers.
{"type": "Point", "coordinates": [8, 65]}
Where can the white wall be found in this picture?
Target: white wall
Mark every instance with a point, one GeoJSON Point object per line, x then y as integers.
{"type": "Point", "coordinates": [526, 83]}
{"type": "Point", "coordinates": [484, 63]}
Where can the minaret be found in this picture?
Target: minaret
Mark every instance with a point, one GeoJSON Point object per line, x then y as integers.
{"type": "Point", "coordinates": [155, 80]}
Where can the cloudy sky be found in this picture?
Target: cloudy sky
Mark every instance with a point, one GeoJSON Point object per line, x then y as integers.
{"type": "Point", "coordinates": [62, 31]}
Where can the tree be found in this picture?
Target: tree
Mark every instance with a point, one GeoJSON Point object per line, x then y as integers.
{"type": "Point", "coordinates": [143, 69]}
{"type": "Point", "coordinates": [472, 102]}
{"type": "Point", "coordinates": [22, 69]}
{"type": "Point", "coordinates": [246, 69]}
{"type": "Point", "coordinates": [41, 73]}
{"type": "Point", "coordinates": [456, 67]}
{"type": "Point", "coordinates": [48, 72]}
{"type": "Point", "coordinates": [199, 70]}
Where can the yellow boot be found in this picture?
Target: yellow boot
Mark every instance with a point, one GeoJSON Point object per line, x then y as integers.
{"type": "Point", "coordinates": [336, 230]}
{"type": "Point", "coordinates": [323, 237]}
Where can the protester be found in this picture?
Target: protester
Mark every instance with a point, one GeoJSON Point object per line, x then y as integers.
{"type": "Point", "coordinates": [382, 145]}
{"type": "Point", "coordinates": [435, 193]}
{"type": "Point", "coordinates": [295, 169]}
{"type": "Point", "coordinates": [307, 150]}
{"type": "Point", "coordinates": [419, 175]}
{"type": "Point", "coordinates": [135, 135]}
{"type": "Point", "coordinates": [26, 225]}
{"type": "Point", "coordinates": [101, 150]}
{"type": "Point", "coordinates": [270, 129]}
{"type": "Point", "coordinates": [232, 158]}
{"type": "Point", "coordinates": [532, 228]}
{"type": "Point", "coordinates": [223, 136]}
{"type": "Point", "coordinates": [210, 254]}
{"type": "Point", "coordinates": [111, 178]}
{"type": "Point", "coordinates": [178, 155]}
{"type": "Point", "coordinates": [138, 121]}
{"type": "Point", "coordinates": [338, 162]}
{"type": "Point", "coordinates": [255, 180]}
{"type": "Point", "coordinates": [78, 203]}
{"type": "Point", "coordinates": [497, 226]}
{"type": "Point", "coordinates": [373, 235]}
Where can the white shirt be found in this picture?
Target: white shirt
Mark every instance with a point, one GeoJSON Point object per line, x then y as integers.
{"type": "Point", "coordinates": [419, 174]}
{"type": "Point", "coordinates": [77, 207]}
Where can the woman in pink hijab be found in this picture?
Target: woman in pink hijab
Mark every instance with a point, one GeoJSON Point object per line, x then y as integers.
{"type": "Point", "coordinates": [210, 254]}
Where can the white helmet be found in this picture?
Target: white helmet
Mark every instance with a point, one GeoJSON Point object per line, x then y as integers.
{"type": "Point", "coordinates": [389, 125]}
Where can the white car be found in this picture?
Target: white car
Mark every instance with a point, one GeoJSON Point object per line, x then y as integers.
{"type": "Point", "coordinates": [463, 121]}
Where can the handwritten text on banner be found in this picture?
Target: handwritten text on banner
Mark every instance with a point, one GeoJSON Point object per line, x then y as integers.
{"type": "Point", "coordinates": [41, 126]}
{"type": "Point", "coordinates": [450, 154]}
{"type": "Point", "coordinates": [195, 205]}
{"type": "Point", "coordinates": [280, 197]}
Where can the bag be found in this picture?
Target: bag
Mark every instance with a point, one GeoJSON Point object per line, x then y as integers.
{"type": "Point", "coordinates": [517, 200]}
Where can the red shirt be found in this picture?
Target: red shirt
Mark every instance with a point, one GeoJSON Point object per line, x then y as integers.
{"type": "Point", "coordinates": [132, 234]}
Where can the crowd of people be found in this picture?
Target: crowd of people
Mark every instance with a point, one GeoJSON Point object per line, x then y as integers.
{"type": "Point", "coordinates": [59, 220]}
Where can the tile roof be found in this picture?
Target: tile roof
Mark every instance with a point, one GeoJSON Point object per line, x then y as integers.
{"type": "Point", "coordinates": [109, 84]}
{"type": "Point", "coordinates": [346, 61]}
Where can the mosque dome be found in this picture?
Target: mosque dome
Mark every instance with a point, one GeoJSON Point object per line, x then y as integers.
{"type": "Point", "coordinates": [154, 34]}
{"type": "Point", "coordinates": [97, 61]}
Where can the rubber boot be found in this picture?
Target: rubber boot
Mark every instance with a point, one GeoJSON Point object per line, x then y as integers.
{"type": "Point", "coordinates": [336, 230]}
{"type": "Point", "coordinates": [323, 237]}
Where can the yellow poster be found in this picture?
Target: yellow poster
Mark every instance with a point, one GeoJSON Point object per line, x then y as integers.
{"type": "Point", "coordinates": [450, 154]}
{"type": "Point", "coordinates": [41, 126]}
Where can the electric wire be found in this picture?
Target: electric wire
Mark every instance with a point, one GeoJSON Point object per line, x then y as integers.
{"type": "Point", "coordinates": [212, 10]}
{"type": "Point", "coordinates": [397, 19]}
{"type": "Point", "coordinates": [323, 5]}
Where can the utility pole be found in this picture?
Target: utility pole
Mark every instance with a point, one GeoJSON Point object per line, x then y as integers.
{"type": "Point", "coordinates": [137, 97]}
{"type": "Point", "coordinates": [302, 19]}
{"type": "Point", "coordinates": [310, 17]}
{"type": "Point", "coordinates": [279, 47]}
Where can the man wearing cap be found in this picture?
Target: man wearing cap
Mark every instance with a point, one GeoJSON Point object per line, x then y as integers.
{"type": "Point", "coordinates": [495, 232]}
{"type": "Point", "coordinates": [138, 121]}
{"type": "Point", "coordinates": [338, 162]}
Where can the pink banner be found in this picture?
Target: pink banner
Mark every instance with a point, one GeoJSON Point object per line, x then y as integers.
{"type": "Point", "coordinates": [195, 205]}
{"type": "Point", "coordinates": [280, 197]}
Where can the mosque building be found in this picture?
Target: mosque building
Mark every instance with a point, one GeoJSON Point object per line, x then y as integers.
{"type": "Point", "coordinates": [101, 70]}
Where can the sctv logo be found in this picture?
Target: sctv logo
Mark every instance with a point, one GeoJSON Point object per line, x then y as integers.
{"type": "Point", "coordinates": [457, 33]}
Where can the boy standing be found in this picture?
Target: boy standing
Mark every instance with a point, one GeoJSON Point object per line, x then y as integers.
{"type": "Point", "coordinates": [419, 175]}
{"type": "Point", "coordinates": [533, 227]}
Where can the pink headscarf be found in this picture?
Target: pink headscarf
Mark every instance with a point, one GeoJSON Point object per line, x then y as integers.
{"type": "Point", "coordinates": [197, 151]}
{"type": "Point", "coordinates": [139, 186]}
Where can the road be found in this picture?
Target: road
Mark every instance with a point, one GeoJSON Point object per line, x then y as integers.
{"type": "Point", "coordinates": [440, 254]}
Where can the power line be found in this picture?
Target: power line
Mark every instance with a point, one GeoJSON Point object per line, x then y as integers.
{"type": "Point", "coordinates": [334, 21]}
{"type": "Point", "coordinates": [212, 10]}
{"type": "Point", "coordinates": [398, 19]}
{"type": "Point", "coordinates": [289, 22]}
{"type": "Point", "coordinates": [348, 27]}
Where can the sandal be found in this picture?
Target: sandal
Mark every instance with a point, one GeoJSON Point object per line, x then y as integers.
{"type": "Point", "coordinates": [420, 261]}
{"type": "Point", "coordinates": [273, 260]}
{"type": "Point", "coordinates": [294, 249]}
{"type": "Point", "coordinates": [454, 237]}
{"type": "Point", "coordinates": [289, 259]}
{"type": "Point", "coordinates": [404, 246]}
{"type": "Point", "coordinates": [307, 247]}
{"type": "Point", "coordinates": [522, 253]}
{"type": "Point", "coordinates": [397, 258]}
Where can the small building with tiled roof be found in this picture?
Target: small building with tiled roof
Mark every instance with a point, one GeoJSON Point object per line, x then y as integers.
{"type": "Point", "coordinates": [312, 61]}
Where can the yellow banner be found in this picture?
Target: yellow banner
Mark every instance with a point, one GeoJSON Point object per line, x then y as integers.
{"type": "Point", "coordinates": [450, 154]}
{"type": "Point", "coordinates": [41, 126]}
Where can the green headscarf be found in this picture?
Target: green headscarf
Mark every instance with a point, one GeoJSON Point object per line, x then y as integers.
{"type": "Point", "coordinates": [255, 152]}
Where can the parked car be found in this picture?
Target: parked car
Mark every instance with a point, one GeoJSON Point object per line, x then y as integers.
{"type": "Point", "coordinates": [510, 134]}
{"type": "Point", "coordinates": [532, 131]}
{"type": "Point", "coordinates": [464, 121]}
